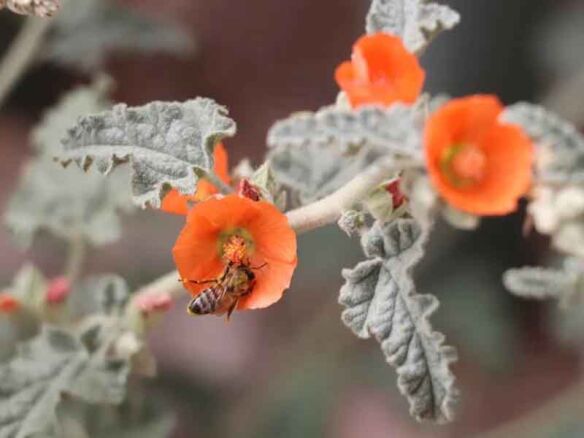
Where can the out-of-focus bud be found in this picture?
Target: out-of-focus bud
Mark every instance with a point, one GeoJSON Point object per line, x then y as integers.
{"type": "Point", "coordinates": [149, 303]}
{"type": "Point", "coordinates": [58, 290]}
{"type": "Point", "coordinates": [147, 309]}
{"type": "Point", "coordinates": [8, 303]}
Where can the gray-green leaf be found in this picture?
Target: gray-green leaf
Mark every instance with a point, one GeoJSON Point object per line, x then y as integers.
{"type": "Point", "coordinates": [67, 203]}
{"type": "Point", "coordinates": [31, 384]}
{"type": "Point", "coordinates": [390, 130]}
{"type": "Point", "coordinates": [316, 153]}
{"type": "Point", "coordinates": [168, 144]}
{"type": "Point", "coordinates": [92, 99]}
{"type": "Point", "coordinates": [380, 300]}
{"type": "Point", "coordinates": [564, 143]}
{"type": "Point", "coordinates": [86, 30]}
{"type": "Point", "coordinates": [417, 22]}
{"type": "Point", "coordinates": [541, 283]}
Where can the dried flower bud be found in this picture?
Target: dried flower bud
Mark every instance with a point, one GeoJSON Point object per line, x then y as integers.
{"type": "Point", "coordinates": [8, 303]}
{"type": "Point", "coordinates": [397, 196]}
{"type": "Point", "coordinates": [58, 290]}
{"type": "Point", "coordinates": [248, 190]}
{"type": "Point", "coordinates": [40, 8]}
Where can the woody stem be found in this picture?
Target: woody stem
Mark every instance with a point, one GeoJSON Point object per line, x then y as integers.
{"type": "Point", "coordinates": [22, 53]}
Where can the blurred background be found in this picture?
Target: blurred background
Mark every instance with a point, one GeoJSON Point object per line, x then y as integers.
{"type": "Point", "coordinates": [294, 370]}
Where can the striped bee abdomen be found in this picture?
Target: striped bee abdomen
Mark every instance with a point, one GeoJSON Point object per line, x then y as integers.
{"type": "Point", "coordinates": [206, 302]}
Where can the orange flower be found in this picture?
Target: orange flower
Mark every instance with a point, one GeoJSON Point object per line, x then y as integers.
{"type": "Point", "coordinates": [176, 203]}
{"type": "Point", "coordinates": [381, 71]}
{"type": "Point", "coordinates": [8, 303]}
{"type": "Point", "coordinates": [234, 229]}
{"type": "Point", "coordinates": [477, 163]}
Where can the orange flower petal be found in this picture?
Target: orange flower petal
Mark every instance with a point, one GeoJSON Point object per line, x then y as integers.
{"type": "Point", "coordinates": [499, 155]}
{"type": "Point", "coordinates": [271, 282]}
{"type": "Point", "coordinates": [381, 71]}
{"type": "Point", "coordinates": [8, 303]}
{"type": "Point", "coordinates": [197, 252]}
{"type": "Point", "coordinates": [176, 203]}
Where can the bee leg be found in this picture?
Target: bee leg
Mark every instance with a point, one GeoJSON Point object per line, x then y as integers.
{"type": "Point", "coordinates": [231, 309]}
{"type": "Point", "coordinates": [255, 268]}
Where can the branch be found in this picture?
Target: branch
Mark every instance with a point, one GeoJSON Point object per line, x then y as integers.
{"type": "Point", "coordinates": [21, 53]}
{"type": "Point", "coordinates": [328, 210]}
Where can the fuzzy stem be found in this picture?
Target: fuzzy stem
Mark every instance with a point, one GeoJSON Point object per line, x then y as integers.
{"type": "Point", "coordinates": [328, 210]}
{"type": "Point", "coordinates": [22, 53]}
{"type": "Point", "coordinates": [75, 258]}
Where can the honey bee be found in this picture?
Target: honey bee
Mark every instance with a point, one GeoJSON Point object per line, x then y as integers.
{"type": "Point", "coordinates": [236, 281]}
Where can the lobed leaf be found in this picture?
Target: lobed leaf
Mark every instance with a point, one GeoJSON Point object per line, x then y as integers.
{"type": "Point", "coordinates": [380, 300]}
{"type": "Point", "coordinates": [389, 130]}
{"type": "Point", "coordinates": [168, 144]}
{"type": "Point", "coordinates": [564, 142]}
{"type": "Point", "coordinates": [541, 283]}
{"type": "Point", "coordinates": [316, 153]}
{"type": "Point", "coordinates": [86, 30]}
{"type": "Point", "coordinates": [417, 22]}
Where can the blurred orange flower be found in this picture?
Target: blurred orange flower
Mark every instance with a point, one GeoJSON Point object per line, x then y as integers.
{"type": "Point", "coordinates": [176, 203]}
{"type": "Point", "coordinates": [234, 229]}
{"type": "Point", "coordinates": [381, 71]}
{"type": "Point", "coordinates": [478, 164]}
{"type": "Point", "coordinates": [8, 303]}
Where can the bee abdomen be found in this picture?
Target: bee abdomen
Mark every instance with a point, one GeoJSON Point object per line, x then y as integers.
{"type": "Point", "coordinates": [205, 303]}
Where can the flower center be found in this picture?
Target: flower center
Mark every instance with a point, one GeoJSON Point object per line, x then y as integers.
{"type": "Point", "coordinates": [463, 164]}
{"type": "Point", "coordinates": [236, 246]}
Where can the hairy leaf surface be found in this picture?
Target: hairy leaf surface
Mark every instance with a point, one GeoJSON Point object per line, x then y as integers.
{"type": "Point", "coordinates": [417, 22]}
{"type": "Point", "coordinates": [316, 153]}
{"type": "Point", "coordinates": [86, 30]}
{"type": "Point", "coordinates": [380, 300]}
{"type": "Point", "coordinates": [561, 144]}
{"type": "Point", "coordinates": [389, 130]}
{"type": "Point", "coordinates": [168, 144]}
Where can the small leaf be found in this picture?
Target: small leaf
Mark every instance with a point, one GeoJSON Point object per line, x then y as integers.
{"type": "Point", "coordinates": [562, 146]}
{"type": "Point", "coordinates": [267, 182]}
{"type": "Point", "coordinates": [417, 22]}
{"type": "Point", "coordinates": [388, 130]}
{"type": "Point", "coordinates": [540, 283]}
{"type": "Point", "coordinates": [380, 300]}
{"type": "Point", "coordinates": [168, 144]}
{"type": "Point", "coordinates": [86, 30]}
{"type": "Point", "coordinates": [29, 286]}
